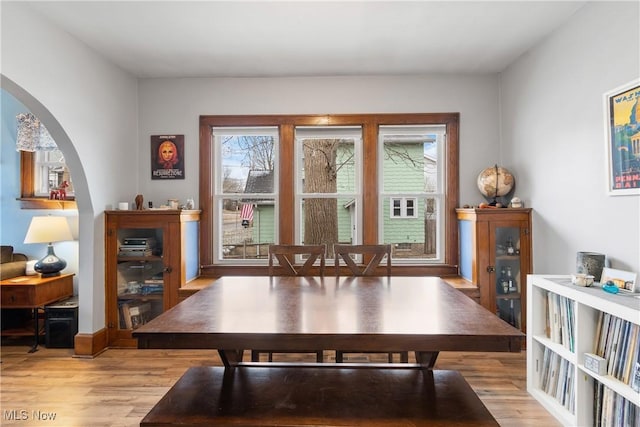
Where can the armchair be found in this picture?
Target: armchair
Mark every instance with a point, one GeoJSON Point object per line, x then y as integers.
{"type": "Point", "coordinates": [12, 264]}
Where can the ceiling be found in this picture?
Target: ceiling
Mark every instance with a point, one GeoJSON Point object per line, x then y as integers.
{"type": "Point", "coordinates": [305, 38]}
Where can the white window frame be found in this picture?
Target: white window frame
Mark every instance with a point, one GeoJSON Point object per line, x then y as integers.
{"type": "Point", "coordinates": [403, 207]}
{"type": "Point", "coordinates": [439, 193]}
{"type": "Point", "coordinates": [334, 132]}
{"type": "Point", "coordinates": [219, 196]}
{"type": "Point", "coordinates": [43, 164]}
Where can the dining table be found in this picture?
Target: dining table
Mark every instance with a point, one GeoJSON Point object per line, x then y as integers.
{"type": "Point", "coordinates": [296, 313]}
{"type": "Point", "coordinates": [302, 313]}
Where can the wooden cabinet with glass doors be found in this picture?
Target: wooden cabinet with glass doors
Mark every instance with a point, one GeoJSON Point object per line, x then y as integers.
{"type": "Point", "coordinates": [149, 255]}
{"type": "Point", "coordinates": [495, 254]}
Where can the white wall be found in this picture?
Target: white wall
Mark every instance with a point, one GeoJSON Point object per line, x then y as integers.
{"type": "Point", "coordinates": [552, 128]}
{"type": "Point", "coordinates": [553, 137]}
{"type": "Point", "coordinates": [174, 105]}
{"type": "Point", "coordinates": [90, 108]}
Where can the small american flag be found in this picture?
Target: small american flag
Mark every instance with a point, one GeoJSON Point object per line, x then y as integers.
{"type": "Point", "coordinates": [247, 212]}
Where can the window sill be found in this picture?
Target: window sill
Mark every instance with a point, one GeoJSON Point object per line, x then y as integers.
{"type": "Point", "coordinates": [42, 203]}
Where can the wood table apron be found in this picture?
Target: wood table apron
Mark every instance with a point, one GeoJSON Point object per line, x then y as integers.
{"type": "Point", "coordinates": [34, 292]}
{"type": "Point", "coordinates": [388, 314]}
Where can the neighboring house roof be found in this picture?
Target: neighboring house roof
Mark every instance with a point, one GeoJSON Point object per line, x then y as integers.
{"type": "Point", "coordinates": [259, 181]}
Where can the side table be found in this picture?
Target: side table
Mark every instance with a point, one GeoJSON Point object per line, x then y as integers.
{"type": "Point", "coordinates": [34, 292]}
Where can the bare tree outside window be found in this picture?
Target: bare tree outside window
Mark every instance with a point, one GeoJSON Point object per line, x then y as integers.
{"type": "Point", "coordinates": [411, 170]}
{"type": "Point", "coordinates": [246, 178]}
{"type": "Point", "coordinates": [320, 176]}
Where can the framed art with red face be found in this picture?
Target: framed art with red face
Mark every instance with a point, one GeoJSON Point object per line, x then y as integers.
{"type": "Point", "coordinates": [167, 156]}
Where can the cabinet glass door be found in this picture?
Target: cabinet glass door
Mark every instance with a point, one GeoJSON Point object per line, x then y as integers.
{"type": "Point", "coordinates": [140, 276]}
{"type": "Point", "coordinates": [508, 275]}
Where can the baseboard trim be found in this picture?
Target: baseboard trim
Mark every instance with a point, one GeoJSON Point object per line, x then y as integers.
{"type": "Point", "coordinates": [90, 345]}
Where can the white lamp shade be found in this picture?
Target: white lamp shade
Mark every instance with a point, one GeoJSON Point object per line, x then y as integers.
{"type": "Point", "coordinates": [48, 229]}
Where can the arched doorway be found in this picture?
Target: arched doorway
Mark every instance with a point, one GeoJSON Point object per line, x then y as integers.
{"type": "Point", "coordinates": [83, 198]}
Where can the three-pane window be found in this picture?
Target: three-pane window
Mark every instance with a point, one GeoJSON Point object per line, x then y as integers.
{"type": "Point", "coordinates": [359, 179]}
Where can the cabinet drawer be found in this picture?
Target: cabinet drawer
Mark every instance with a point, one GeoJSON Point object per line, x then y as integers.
{"type": "Point", "coordinates": [16, 296]}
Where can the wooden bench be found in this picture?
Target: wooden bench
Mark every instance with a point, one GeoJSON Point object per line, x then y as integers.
{"type": "Point", "coordinates": [190, 288]}
{"type": "Point", "coordinates": [463, 285]}
{"type": "Point", "coordinates": [320, 395]}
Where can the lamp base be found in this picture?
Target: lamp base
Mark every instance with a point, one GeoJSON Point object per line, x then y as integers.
{"type": "Point", "coordinates": [45, 275]}
{"type": "Point", "coordinates": [50, 265]}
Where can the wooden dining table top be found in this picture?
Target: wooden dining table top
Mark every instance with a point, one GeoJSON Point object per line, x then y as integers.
{"type": "Point", "coordinates": [399, 313]}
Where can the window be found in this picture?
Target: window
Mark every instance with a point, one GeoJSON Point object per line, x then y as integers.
{"type": "Point", "coordinates": [412, 182]}
{"type": "Point", "coordinates": [41, 173]}
{"type": "Point", "coordinates": [45, 181]}
{"type": "Point", "coordinates": [403, 207]}
{"type": "Point", "coordinates": [384, 181]}
{"type": "Point", "coordinates": [328, 190]}
{"type": "Point", "coordinates": [51, 174]}
{"type": "Point", "coordinates": [244, 196]}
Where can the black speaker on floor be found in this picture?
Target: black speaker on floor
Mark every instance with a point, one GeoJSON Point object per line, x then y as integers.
{"type": "Point", "coordinates": [61, 323]}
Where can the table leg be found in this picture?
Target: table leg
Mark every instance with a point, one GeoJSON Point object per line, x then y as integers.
{"type": "Point", "coordinates": [427, 359]}
{"type": "Point", "coordinates": [230, 358]}
{"type": "Point", "coordinates": [36, 328]}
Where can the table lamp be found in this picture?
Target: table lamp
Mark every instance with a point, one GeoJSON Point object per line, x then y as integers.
{"type": "Point", "coordinates": [49, 229]}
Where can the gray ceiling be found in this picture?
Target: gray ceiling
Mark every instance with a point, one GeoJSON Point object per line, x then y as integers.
{"type": "Point", "coordinates": [302, 38]}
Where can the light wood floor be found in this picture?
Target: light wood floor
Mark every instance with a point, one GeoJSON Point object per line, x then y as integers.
{"type": "Point", "coordinates": [120, 386]}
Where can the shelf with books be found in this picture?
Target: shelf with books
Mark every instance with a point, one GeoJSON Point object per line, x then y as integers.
{"type": "Point", "coordinates": [596, 335]}
{"type": "Point", "coordinates": [149, 255]}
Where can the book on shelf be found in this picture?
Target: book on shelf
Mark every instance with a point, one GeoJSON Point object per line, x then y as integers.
{"type": "Point", "coordinates": [139, 314]}
{"type": "Point", "coordinates": [557, 379]}
{"type": "Point", "coordinates": [544, 373]}
{"type": "Point", "coordinates": [125, 315]}
{"type": "Point", "coordinates": [560, 320]}
{"type": "Point", "coordinates": [618, 343]}
{"type": "Point", "coordinates": [612, 409]}
{"type": "Point", "coordinates": [152, 288]}
{"type": "Point", "coordinates": [603, 330]}
{"type": "Point", "coordinates": [134, 313]}
{"type": "Point", "coordinates": [564, 331]}
{"type": "Point", "coordinates": [635, 376]}
{"type": "Point", "coordinates": [547, 328]}
{"type": "Point", "coordinates": [613, 346]}
{"type": "Point", "coordinates": [553, 380]}
{"type": "Point", "coordinates": [634, 344]}
{"type": "Point", "coordinates": [623, 348]}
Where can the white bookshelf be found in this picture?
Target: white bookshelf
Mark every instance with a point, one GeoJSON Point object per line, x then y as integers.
{"type": "Point", "coordinates": [585, 304]}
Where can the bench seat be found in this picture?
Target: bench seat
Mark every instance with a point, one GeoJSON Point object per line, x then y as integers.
{"type": "Point", "coordinates": [319, 395]}
{"type": "Point", "coordinates": [197, 284]}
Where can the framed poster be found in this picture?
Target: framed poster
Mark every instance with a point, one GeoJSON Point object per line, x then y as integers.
{"type": "Point", "coordinates": [167, 156]}
{"type": "Point", "coordinates": [623, 139]}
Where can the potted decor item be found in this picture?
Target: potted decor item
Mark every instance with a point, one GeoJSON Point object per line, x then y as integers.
{"type": "Point", "coordinates": [590, 263]}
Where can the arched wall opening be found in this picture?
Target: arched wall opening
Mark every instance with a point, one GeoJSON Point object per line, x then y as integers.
{"type": "Point", "coordinates": [86, 215]}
